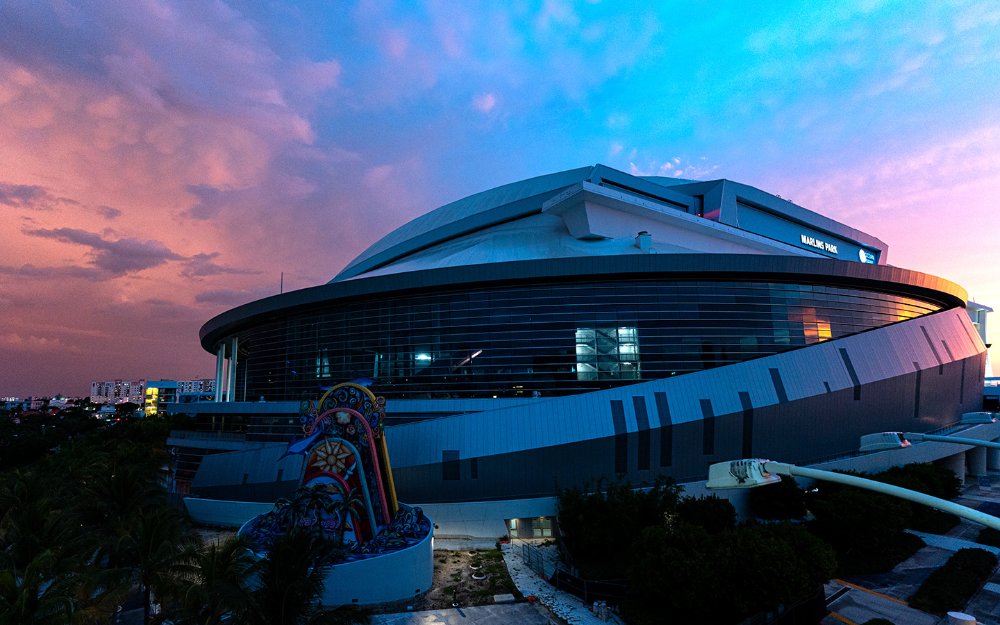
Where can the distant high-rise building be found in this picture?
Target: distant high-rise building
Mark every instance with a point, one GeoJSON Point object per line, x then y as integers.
{"type": "Point", "coordinates": [117, 391]}
{"type": "Point", "coordinates": [160, 392]}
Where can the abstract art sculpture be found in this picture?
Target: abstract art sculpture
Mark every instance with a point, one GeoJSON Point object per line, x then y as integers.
{"type": "Point", "coordinates": [346, 494]}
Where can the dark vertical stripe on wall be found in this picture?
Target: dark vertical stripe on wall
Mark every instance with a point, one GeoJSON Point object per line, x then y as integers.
{"type": "Point", "coordinates": [937, 356]}
{"type": "Point", "coordinates": [621, 436]}
{"type": "Point", "coordinates": [969, 333]}
{"type": "Point", "coordinates": [644, 438]}
{"type": "Point", "coordinates": [747, 424]}
{"type": "Point", "coordinates": [827, 385]}
{"type": "Point", "coordinates": [916, 392]}
{"type": "Point", "coordinates": [951, 356]}
{"type": "Point", "coordinates": [855, 382]}
{"type": "Point", "coordinates": [961, 386]}
{"type": "Point", "coordinates": [666, 429]}
{"type": "Point", "coordinates": [708, 427]}
{"type": "Point", "coordinates": [779, 386]}
{"type": "Point", "coordinates": [450, 467]}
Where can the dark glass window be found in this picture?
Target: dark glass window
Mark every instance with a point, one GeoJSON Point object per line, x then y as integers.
{"type": "Point", "coordinates": [548, 339]}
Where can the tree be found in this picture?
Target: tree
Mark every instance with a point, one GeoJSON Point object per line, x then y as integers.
{"type": "Point", "coordinates": [597, 527]}
{"type": "Point", "coordinates": [289, 583]}
{"type": "Point", "coordinates": [217, 589]}
{"type": "Point", "coordinates": [755, 568]}
{"type": "Point", "coordinates": [38, 593]}
{"type": "Point", "coordinates": [153, 549]}
{"type": "Point", "coordinates": [712, 513]}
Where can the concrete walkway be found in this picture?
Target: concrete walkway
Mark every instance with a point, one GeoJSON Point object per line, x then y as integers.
{"type": "Point", "coordinates": [853, 605]}
{"type": "Point", "coordinates": [562, 604]}
{"type": "Point", "coordinates": [950, 543]}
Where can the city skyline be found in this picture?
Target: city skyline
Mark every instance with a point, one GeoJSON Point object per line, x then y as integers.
{"type": "Point", "coordinates": [162, 163]}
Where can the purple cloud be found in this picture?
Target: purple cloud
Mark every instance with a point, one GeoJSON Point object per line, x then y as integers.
{"type": "Point", "coordinates": [109, 212]}
{"type": "Point", "coordinates": [25, 196]}
{"type": "Point", "coordinates": [201, 265]}
{"type": "Point", "coordinates": [116, 258]}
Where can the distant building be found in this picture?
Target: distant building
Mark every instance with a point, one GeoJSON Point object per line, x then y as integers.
{"type": "Point", "coordinates": [15, 403]}
{"type": "Point", "coordinates": [204, 385]}
{"type": "Point", "coordinates": [158, 393]}
{"type": "Point", "coordinates": [117, 391]}
{"type": "Point", "coordinates": [162, 392]}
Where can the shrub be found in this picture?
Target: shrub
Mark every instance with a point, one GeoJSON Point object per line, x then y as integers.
{"type": "Point", "coordinates": [865, 542]}
{"type": "Point", "coordinates": [711, 513]}
{"type": "Point", "coordinates": [785, 562]}
{"type": "Point", "coordinates": [930, 479]}
{"type": "Point", "coordinates": [778, 502]}
{"type": "Point", "coordinates": [951, 586]}
{"type": "Point", "coordinates": [598, 527]}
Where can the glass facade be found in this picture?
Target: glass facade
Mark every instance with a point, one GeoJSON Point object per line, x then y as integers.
{"type": "Point", "coordinates": [547, 339]}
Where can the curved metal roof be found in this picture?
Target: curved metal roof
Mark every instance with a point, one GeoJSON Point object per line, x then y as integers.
{"type": "Point", "coordinates": [467, 214]}
{"type": "Point", "coordinates": [474, 229]}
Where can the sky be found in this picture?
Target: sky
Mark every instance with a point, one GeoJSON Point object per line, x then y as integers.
{"type": "Point", "coordinates": [162, 162]}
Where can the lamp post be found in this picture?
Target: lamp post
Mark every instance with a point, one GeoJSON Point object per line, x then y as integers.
{"type": "Point", "coordinates": [752, 472]}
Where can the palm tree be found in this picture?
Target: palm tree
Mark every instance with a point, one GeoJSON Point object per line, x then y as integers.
{"type": "Point", "coordinates": [152, 552]}
{"type": "Point", "coordinates": [218, 589]}
{"type": "Point", "coordinates": [39, 593]}
{"type": "Point", "coordinates": [289, 583]}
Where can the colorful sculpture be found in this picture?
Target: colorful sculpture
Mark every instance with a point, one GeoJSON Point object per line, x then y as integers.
{"type": "Point", "coordinates": [346, 493]}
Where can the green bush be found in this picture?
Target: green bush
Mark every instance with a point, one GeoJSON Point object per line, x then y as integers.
{"type": "Point", "coordinates": [782, 501]}
{"type": "Point", "coordinates": [785, 563]}
{"type": "Point", "coordinates": [951, 586]}
{"type": "Point", "coordinates": [864, 542]}
{"type": "Point", "coordinates": [930, 479]}
{"type": "Point", "coordinates": [712, 513]}
{"type": "Point", "coordinates": [596, 528]}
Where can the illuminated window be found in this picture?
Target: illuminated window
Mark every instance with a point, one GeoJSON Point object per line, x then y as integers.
{"type": "Point", "coordinates": [607, 353]}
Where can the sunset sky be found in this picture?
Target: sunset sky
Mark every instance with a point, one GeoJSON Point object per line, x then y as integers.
{"type": "Point", "coordinates": [161, 162]}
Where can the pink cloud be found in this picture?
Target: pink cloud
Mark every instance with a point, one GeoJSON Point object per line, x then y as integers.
{"type": "Point", "coordinates": [484, 103]}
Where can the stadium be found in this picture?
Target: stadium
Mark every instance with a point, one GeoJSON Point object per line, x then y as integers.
{"type": "Point", "coordinates": [586, 325]}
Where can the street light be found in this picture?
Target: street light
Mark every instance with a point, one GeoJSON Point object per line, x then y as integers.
{"type": "Point", "coordinates": [752, 472]}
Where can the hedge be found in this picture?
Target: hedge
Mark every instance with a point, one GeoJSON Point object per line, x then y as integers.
{"type": "Point", "coordinates": [951, 586]}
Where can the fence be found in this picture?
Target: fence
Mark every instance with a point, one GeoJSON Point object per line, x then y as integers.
{"type": "Point", "coordinates": [589, 590]}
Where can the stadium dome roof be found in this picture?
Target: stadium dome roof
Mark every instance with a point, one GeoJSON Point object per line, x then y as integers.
{"type": "Point", "coordinates": [540, 218]}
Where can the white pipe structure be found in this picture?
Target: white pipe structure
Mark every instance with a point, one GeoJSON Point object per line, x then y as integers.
{"type": "Point", "coordinates": [917, 437]}
{"type": "Point", "coordinates": [759, 472]}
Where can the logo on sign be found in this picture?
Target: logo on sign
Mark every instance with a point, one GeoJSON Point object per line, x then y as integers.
{"type": "Point", "coordinates": [818, 244]}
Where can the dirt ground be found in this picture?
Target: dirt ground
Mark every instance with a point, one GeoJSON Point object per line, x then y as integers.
{"type": "Point", "coordinates": [455, 580]}
{"type": "Point", "coordinates": [455, 577]}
